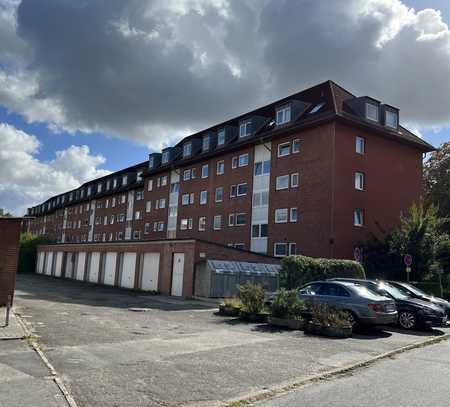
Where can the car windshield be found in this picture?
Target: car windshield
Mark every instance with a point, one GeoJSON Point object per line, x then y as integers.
{"type": "Point", "coordinates": [392, 291]}
{"type": "Point", "coordinates": [414, 290]}
{"type": "Point", "coordinates": [367, 293]}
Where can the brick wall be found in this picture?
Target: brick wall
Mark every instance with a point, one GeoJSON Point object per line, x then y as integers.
{"type": "Point", "coordinates": [9, 253]}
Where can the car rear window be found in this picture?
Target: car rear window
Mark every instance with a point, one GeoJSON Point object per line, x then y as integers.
{"type": "Point", "coordinates": [366, 293]}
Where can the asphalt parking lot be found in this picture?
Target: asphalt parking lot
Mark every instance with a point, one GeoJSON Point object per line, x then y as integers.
{"type": "Point", "coordinates": [117, 348]}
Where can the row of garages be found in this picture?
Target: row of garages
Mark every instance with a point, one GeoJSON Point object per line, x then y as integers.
{"type": "Point", "coordinates": [168, 266]}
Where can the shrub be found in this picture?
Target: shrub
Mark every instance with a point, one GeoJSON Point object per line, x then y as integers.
{"type": "Point", "coordinates": [252, 297]}
{"type": "Point", "coordinates": [287, 305]}
{"type": "Point", "coordinates": [232, 303]}
{"type": "Point", "coordinates": [324, 315]}
{"type": "Point", "coordinates": [298, 270]}
{"type": "Point", "coordinates": [27, 254]}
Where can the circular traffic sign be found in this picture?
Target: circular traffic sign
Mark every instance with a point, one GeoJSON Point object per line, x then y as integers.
{"type": "Point", "coordinates": [407, 258]}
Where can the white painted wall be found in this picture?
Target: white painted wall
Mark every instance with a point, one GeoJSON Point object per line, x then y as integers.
{"type": "Point", "coordinates": [110, 268]}
{"type": "Point", "coordinates": [150, 271]}
{"type": "Point", "coordinates": [94, 267]}
{"type": "Point", "coordinates": [128, 270]}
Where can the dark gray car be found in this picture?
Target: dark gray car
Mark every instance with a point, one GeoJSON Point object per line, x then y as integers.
{"type": "Point", "coordinates": [365, 306]}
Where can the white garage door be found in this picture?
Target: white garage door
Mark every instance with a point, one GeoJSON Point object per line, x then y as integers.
{"type": "Point", "coordinates": [80, 266]}
{"type": "Point", "coordinates": [93, 267]}
{"type": "Point", "coordinates": [150, 270]}
{"type": "Point", "coordinates": [69, 265]}
{"type": "Point", "coordinates": [48, 264]}
{"type": "Point", "coordinates": [58, 264]}
{"type": "Point", "coordinates": [110, 268]}
{"type": "Point", "coordinates": [177, 274]}
{"type": "Point", "coordinates": [128, 269]}
{"type": "Point", "coordinates": [40, 263]}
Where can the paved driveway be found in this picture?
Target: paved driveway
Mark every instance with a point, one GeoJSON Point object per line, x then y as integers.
{"type": "Point", "coordinates": [172, 352]}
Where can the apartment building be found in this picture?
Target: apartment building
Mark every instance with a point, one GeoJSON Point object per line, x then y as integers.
{"type": "Point", "coordinates": [314, 173]}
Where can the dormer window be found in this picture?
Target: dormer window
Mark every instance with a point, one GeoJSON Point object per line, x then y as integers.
{"type": "Point", "coordinates": [165, 157]}
{"type": "Point", "coordinates": [151, 161]}
{"type": "Point", "coordinates": [124, 180]}
{"type": "Point", "coordinates": [115, 183]}
{"type": "Point", "coordinates": [372, 112]}
{"type": "Point", "coordinates": [187, 149]}
{"type": "Point", "coordinates": [139, 176]}
{"type": "Point", "coordinates": [283, 115]}
{"type": "Point", "coordinates": [245, 129]}
{"type": "Point", "coordinates": [205, 143]}
{"type": "Point", "coordinates": [99, 188]}
{"type": "Point", "coordinates": [391, 119]}
{"type": "Point", "coordinates": [108, 185]}
{"type": "Point", "coordinates": [221, 137]}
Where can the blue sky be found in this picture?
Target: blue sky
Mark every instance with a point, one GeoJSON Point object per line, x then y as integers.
{"type": "Point", "coordinates": [94, 88]}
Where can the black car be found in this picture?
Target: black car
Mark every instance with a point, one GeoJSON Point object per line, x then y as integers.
{"type": "Point", "coordinates": [412, 312]}
{"type": "Point", "coordinates": [414, 292]}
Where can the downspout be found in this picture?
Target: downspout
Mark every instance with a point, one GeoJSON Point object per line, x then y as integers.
{"type": "Point", "coordinates": [332, 241]}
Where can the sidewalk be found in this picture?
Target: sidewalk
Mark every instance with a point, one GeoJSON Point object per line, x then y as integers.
{"type": "Point", "coordinates": [24, 379]}
{"type": "Point", "coordinates": [13, 330]}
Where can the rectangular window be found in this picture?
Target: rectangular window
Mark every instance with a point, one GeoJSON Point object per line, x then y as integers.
{"type": "Point", "coordinates": [185, 199]}
{"type": "Point", "coordinates": [295, 146]}
{"type": "Point", "coordinates": [191, 198]}
{"type": "Point", "coordinates": [148, 206]}
{"type": "Point", "coordinates": [284, 149]}
{"type": "Point", "coordinates": [203, 197]}
{"type": "Point", "coordinates": [219, 194]}
{"type": "Point", "coordinates": [372, 112]}
{"type": "Point", "coordinates": [124, 180]}
{"type": "Point", "coordinates": [281, 215]}
{"type": "Point", "coordinates": [173, 210]}
{"type": "Point", "coordinates": [162, 203]}
{"type": "Point", "coordinates": [259, 231]}
{"type": "Point", "coordinates": [243, 160]}
{"type": "Point", "coordinates": [221, 137]}
{"type": "Point", "coordinates": [99, 188]}
{"type": "Point", "coordinates": [146, 228]}
{"type": "Point", "coordinates": [150, 185]}
{"type": "Point", "coordinates": [234, 162]}
{"type": "Point", "coordinates": [205, 143]}
{"type": "Point", "coordinates": [242, 189]}
{"type": "Point", "coordinates": [293, 215]}
{"type": "Point", "coordinates": [108, 185]}
{"type": "Point", "coordinates": [282, 182]}
{"type": "Point", "coordinates": [139, 195]}
{"type": "Point", "coordinates": [136, 234]}
{"type": "Point", "coordinates": [391, 119]}
{"type": "Point", "coordinates": [202, 223]}
{"type": "Point", "coordinates": [294, 180]}
{"type": "Point", "coordinates": [262, 168]}
{"type": "Point", "coordinates": [359, 181]}
{"type": "Point", "coordinates": [260, 199]}
{"type": "Point", "coordinates": [360, 145]}
{"type": "Point", "coordinates": [240, 219]}
{"type": "Point", "coordinates": [187, 149]}
{"type": "Point", "coordinates": [220, 167]}
{"type": "Point", "coordinates": [245, 128]}
{"type": "Point", "coordinates": [137, 215]}
{"type": "Point", "coordinates": [115, 183]}
{"type": "Point", "coordinates": [183, 224]}
{"type": "Point", "coordinates": [186, 175]}
{"type": "Point", "coordinates": [164, 180]}
{"type": "Point", "coordinates": [151, 162]}
{"type": "Point", "coordinates": [233, 191]}
{"type": "Point", "coordinates": [139, 176]}
{"type": "Point", "coordinates": [292, 249]}
{"type": "Point", "coordinates": [165, 157]}
{"type": "Point", "coordinates": [160, 226]}
{"type": "Point", "coordinates": [105, 220]}
{"type": "Point", "coordinates": [231, 219]}
{"type": "Point", "coordinates": [358, 217]}
{"type": "Point", "coordinates": [280, 249]}
{"type": "Point", "coordinates": [205, 171]}
{"type": "Point", "coordinates": [217, 222]}
{"type": "Point", "coordinates": [111, 221]}
{"type": "Point", "coordinates": [283, 115]}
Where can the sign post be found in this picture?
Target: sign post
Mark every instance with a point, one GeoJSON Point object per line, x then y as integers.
{"type": "Point", "coordinates": [407, 259]}
{"type": "Point", "coordinates": [357, 254]}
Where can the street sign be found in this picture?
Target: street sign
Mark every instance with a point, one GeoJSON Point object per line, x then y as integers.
{"type": "Point", "coordinates": [357, 254]}
{"type": "Point", "coordinates": [408, 269]}
{"type": "Point", "coordinates": [407, 259]}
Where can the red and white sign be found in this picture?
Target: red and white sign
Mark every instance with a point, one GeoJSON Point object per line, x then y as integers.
{"type": "Point", "coordinates": [407, 259]}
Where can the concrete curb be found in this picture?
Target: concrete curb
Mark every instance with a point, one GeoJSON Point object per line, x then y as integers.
{"type": "Point", "coordinates": [267, 394]}
{"type": "Point", "coordinates": [54, 375]}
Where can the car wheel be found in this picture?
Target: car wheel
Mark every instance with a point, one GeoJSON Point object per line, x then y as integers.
{"type": "Point", "coordinates": [407, 320]}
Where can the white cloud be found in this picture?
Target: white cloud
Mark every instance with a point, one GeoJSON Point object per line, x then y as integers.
{"type": "Point", "coordinates": [24, 180]}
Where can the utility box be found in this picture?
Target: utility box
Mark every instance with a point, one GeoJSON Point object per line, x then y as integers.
{"type": "Point", "coordinates": [9, 256]}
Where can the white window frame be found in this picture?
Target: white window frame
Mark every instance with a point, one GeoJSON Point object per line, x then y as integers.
{"type": "Point", "coordinates": [358, 217]}
{"type": "Point", "coordinates": [275, 245]}
{"type": "Point", "coordinates": [165, 157]}
{"type": "Point", "coordinates": [360, 145]}
{"type": "Point", "coordinates": [283, 115]}
{"type": "Point", "coordinates": [234, 162]}
{"type": "Point", "coordinates": [281, 146]}
{"type": "Point", "coordinates": [187, 175]}
{"type": "Point", "coordinates": [205, 143]}
{"type": "Point", "coordinates": [279, 180]}
{"type": "Point", "coordinates": [203, 197]}
{"type": "Point", "coordinates": [215, 194]}
{"type": "Point", "coordinates": [240, 193]}
{"type": "Point", "coordinates": [244, 127]}
{"type": "Point", "coordinates": [376, 110]}
{"type": "Point", "coordinates": [243, 160]}
{"type": "Point", "coordinates": [231, 219]}
{"type": "Point", "coordinates": [202, 223]}
{"type": "Point", "coordinates": [187, 149]}
{"type": "Point", "coordinates": [293, 218]}
{"type": "Point", "coordinates": [359, 180]}
{"type": "Point", "coordinates": [205, 171]}
{"type": "Point", "coordinates": [221, 137]}
{"type": "Point", "coordinates": [281, 215]}
{"type": "Point", "coordinates": [392, 114]}
{"type": "Point", "coordinates": [295, 146]}
{"type": "Point", "coordinates": [295, 176]}
{"type": "Point", "coordinates": [292, 249]}
{"type": "Point", "coordinates": [185, 199]}
{"type": "Point", "coordinates": [242, 214]}
{"type": "Point", "coordinates": [217, 219]}
{"type": "Point", "coordinates": [220, 167]}
{"type": "Point", "coordinates": [150, 185]}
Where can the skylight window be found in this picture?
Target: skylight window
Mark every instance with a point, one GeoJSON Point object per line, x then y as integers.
{"type": "Point", "coordinates": [316, 108]}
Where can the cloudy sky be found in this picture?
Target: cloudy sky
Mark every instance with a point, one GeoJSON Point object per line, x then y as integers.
{"type": "Point", "coordinates": [91, 86]}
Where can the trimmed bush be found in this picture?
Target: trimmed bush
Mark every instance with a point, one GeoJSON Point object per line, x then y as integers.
{"type": "Point", "coordinates": [299, 270]}
{"type": "Point", "coordinates": [252, 297]}
{"type": "Point", "coordinates": [28, 249]}
{"type": "Point", "coordinates": [287, 305]}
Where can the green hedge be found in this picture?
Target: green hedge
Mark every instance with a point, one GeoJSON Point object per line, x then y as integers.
{"type": "Point", "coordinates": [298, 270]}
{"type": "Point", "coordinates": [28, 249]}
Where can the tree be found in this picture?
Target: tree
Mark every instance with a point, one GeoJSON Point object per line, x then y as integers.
{"type": "Point", "coordinates": [437, 181]}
